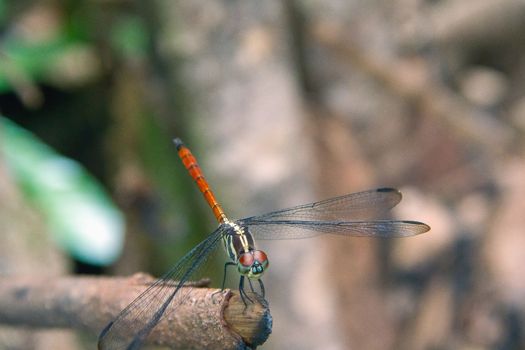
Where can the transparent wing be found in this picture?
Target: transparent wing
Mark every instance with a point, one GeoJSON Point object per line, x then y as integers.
{"type": "Point", "coordinates": [296, 229]}
{"type": "Point", "coordinates": [132, 326]}
{"type": "Point", "coordinates": [352, 215]}
{"type": "Point", "coordinates": [355, 206]}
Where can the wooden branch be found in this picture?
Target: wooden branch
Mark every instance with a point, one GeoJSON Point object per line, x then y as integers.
{"type": "Point", "coordinates": [207, 319]}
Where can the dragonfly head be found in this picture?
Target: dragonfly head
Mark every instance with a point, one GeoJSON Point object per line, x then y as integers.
{"type": "Point", "coordinates": [252, 264]}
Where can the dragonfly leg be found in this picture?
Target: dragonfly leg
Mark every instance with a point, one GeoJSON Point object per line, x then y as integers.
{"type": "Point", "coordinates": [224, 278]}
{"type": "Point", "coordinates": [229, 263]}
{"type": "Point", "coordinates": [261, 284]}
{"type": "Point", "coordinates": [242, 293]}
{"type": "Point", "coordinates": [251, 286]}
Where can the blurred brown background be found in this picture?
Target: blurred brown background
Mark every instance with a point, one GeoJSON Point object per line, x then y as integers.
{"type": "Point", "coordinates": [284, 103]}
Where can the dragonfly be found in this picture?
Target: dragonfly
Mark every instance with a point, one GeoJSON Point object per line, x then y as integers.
{"type": "Point", "coordinates": [356, 214]}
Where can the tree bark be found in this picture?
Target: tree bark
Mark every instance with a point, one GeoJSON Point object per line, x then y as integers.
{"type": "Point", "coordinates": [208, 318]}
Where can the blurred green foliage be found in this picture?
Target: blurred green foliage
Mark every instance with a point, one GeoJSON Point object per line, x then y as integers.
{"type": "Point", "coordinates": [86, 60]}
{"type": "Point", "coordinates": [82, 217]}
{"type": "Point", "coordinates": [30, 52]}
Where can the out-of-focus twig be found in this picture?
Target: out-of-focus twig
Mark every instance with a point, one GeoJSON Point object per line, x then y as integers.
{"type": "Point", "coordinates": [413, 82]}
{"type": "Point", "coordinates": [465, 24]}
{"type": "Point", "coordinates": [210, 318]}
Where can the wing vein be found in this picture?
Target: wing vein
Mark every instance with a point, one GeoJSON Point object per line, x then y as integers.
{"type": "Point", "coordinates": [132, 326]}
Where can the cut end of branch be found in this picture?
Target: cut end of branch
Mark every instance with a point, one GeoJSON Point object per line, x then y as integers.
{"type": "Point", "coordinates": [253, 321]}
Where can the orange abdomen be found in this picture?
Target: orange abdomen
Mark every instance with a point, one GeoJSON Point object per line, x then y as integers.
{"type": "Point", "coordinates": [195, 172]}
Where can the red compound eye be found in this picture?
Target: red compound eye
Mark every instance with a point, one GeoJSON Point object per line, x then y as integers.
{"type": "Point", "coordinates": [260, 256]}
{"type": "Point", "coordinates": [246, 259]}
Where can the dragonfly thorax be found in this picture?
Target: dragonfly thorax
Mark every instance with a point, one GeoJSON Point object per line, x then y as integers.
{"type": "Point", "coordinates": [240, 246]}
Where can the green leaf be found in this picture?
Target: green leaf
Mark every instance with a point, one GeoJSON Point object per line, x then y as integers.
{"type": "Point", "coordinates": [82, 217]}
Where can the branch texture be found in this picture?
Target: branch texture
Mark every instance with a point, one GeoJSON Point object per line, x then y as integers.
{"type": "Point", "coordinates": [207, 319]}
